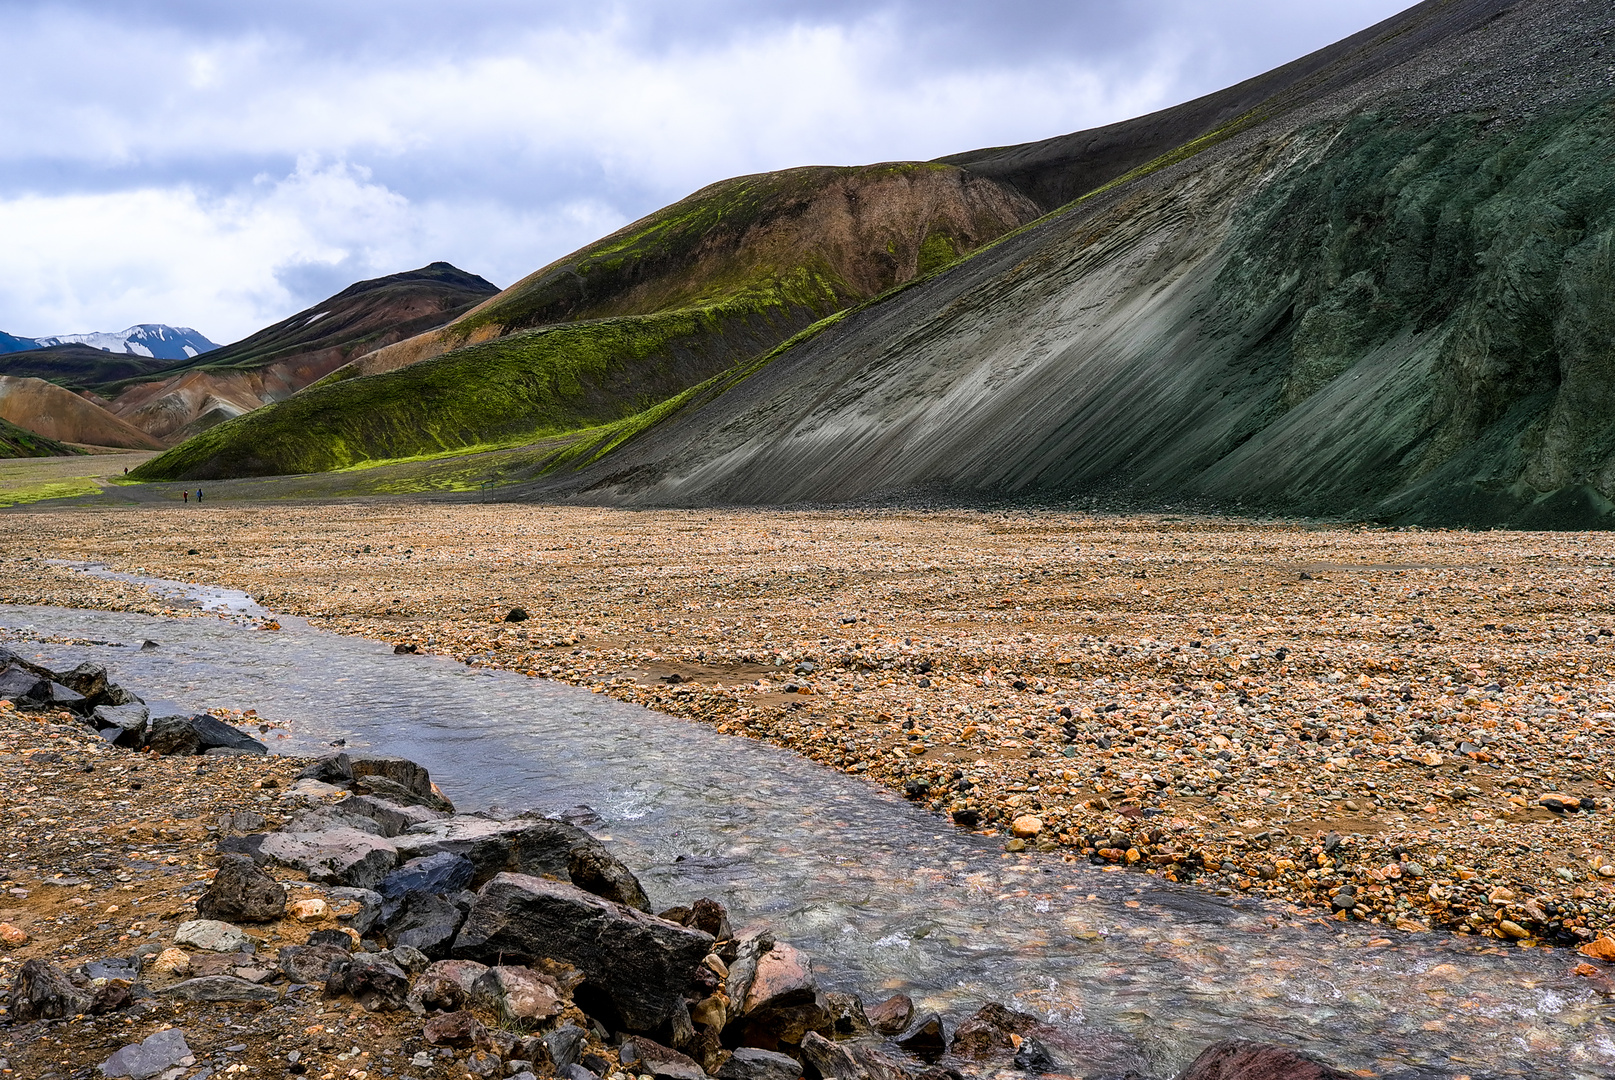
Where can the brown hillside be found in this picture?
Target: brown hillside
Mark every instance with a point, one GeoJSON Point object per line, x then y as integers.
{"type": "Point", "coordinates": [49, 410]}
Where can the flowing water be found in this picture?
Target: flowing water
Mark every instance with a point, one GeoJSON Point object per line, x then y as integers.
{"type": "Point", "coordinates": [883, 895]}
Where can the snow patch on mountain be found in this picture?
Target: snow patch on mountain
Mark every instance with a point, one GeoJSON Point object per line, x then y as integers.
{"type": "Point", "coordinates": [144, 339]}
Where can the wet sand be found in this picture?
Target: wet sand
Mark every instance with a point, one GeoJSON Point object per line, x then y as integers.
{"type": "Point", "coordinates": [1400, 726]}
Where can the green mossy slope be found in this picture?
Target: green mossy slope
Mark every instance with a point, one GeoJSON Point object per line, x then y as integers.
{"type": "Point", "coordinates": [514, 390]}
{"type": "Point", "coordinates": [18, 442]}
{"type": "Point", "coordinates": [661, 306]}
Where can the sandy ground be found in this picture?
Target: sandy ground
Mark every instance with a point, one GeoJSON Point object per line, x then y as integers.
{"type": "Point", "coordinates": [1407, 727]}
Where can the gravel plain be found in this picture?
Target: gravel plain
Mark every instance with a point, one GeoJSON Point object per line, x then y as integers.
{"type": "Point", "coordinates": [1407, 727]}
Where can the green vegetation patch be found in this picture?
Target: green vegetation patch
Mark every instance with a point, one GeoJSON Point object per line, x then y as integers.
{"type": "Point", "coordinates": [501, 393]}
{"type": "Point", "coordinates": [19, 442]}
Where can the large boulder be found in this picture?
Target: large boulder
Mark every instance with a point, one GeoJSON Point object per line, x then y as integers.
{"type": "Point", "coordinates": [750, 1063]}
{"type": "Point", "coordinates": [337, 857]}
{"type": "Point", "coordinates": [131, 719]}
{"type": "Point", "coordinates": [991, 1034]}
{"type": "Point", "coordinates": [638, 963]}
{"type": "Point", "coordinates": [527, 845]}
{"type": "Point", "coordinates": [42, 991]}
{"type": "Point", "coordinates": [87, 680]}
{"type": "Point", "coordinates": [521, 992]}
{"type": "Point", "coordinates": [443, 873]}
{"type": "Point", "coordinates": [426, 922]}
{"type": "Point", "coordinates": [185, 735]}
{"type": "Point", "coordinates": [391, 818]}
{"type": "Point", "coordinates": [240, 892]}
{"type": "Point", "coordinates": [1237, 1059]}
{"type": "Point", "coordinates": [23, 688]}
{"type": "Point", "coordinates": [160, 1052]}
{"type": "Point", "coordinates": [370, 979]}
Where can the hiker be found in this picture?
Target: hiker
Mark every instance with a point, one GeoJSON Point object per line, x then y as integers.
{"type": "Point", "coordinates": [198, 494]}
{"type": "Point", "coordinates": [186, 495]}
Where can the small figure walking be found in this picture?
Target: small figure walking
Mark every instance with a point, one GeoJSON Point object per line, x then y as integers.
{"type": "Point", "coordinates": [198, 494]}
{"type": "Point", "coordinates": [186, 495]}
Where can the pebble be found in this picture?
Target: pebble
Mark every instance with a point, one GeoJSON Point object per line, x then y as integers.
{"type": "Point", "coordinates": [312, 909]}
{"type": "Point", "coordinates": [1418, 693]}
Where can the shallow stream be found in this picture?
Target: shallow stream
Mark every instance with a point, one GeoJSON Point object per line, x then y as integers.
{"type": "Point", "coordinates": [883, 895]}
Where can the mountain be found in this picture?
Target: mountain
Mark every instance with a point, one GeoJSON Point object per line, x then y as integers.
{"type": "Point", "coordinates": [79, 367]}
{"type": "Point", "coordinates": [276, 362]}
{"type": "Point", "coordinates": [49, 410]}
{"type": "Point", "coordinates": [146, 339]}
{"type": "Point", "coordinates": [17, 442]}
{"type": "Point", "coordinates": [659, 306]}
{"type": "Point", "coordinates": [1376, 283]}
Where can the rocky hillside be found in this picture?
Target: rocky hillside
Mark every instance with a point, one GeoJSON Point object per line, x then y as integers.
{"type": "Point", "coordinates": [1389, 299]}
{"type": "Point", "coordinates": [663, 304]}
{"type": "Point", "coordinates": [280, 360]}
{"type": "Point", "coordinates": [48, 410]}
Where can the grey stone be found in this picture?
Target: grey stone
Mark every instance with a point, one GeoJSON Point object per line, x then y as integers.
{"type": "Point", "coordinates": [310, 963]}
{"type": "Point", "coordinates": [565, 1045]}
{"type": "Point", "coordinates": [240, 892]}
{"type": "Point", "coordinates": [369, 911]}
{"type": "Point", "coordinates": [182, 735]}
{"type": "Point", "coordinates": [211, 935]}
{"type": "Point", "coordinates": [575, 1072]}
{"type": "Point", "coordinates": [23, 688]}
{"type": "Point", "coordinates": [220, 988]}
{"type": "Point", "coordinates": [424, 921]}
{"type": "Point", "coordinates": [372, 980]}
{"type": "Point", "coordinates": [337, 857]}
{"type": "Point", "coordinates": [143, 1060]}
{"type": "Point", "coordinates": [131, 718]}
{"type": "Point", "coordinates": [412, 960]}
{"type": "Point", "coordinates": [641, 963]}
{"type": "Point", "coordinates": [42, 991]}
{"type": "Point", "coordinates": [526, 845]}
{"type": "Point", "coordinates": [441, 873]}
{"type": "Point", "coordinates": [520, 992]}
{"type": "Point", "coordinates": [390, 817]}
{"type": "Point", "coordinates": [411, 775]}
{"type": "Point", "coordinates": [391, 790]}
{"type": "Point", "coordinates": [750, 1063]}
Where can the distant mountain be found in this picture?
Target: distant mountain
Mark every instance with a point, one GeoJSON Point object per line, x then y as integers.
{"type": "Point", "coordinates": [282, 359]}
{"type": "Point", "coordinates": [56, 413]}
{"type": "Point", "coordinates": [147, 339]}
{"type": "Point", "coordinates": [80, 367]}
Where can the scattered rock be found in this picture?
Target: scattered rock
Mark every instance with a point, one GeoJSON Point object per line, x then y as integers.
{"type": "Point", "coordinates": [337, 857]}
{"type": "Point", "coordinates": [141, 1061]}
{"type": "Point", "coordinates": [750, 1063]}
{"type": "Point", "coordinates": [520, 992]}
{"type": "Point", "coordinates": [42, 991]}
{"type": "Point", "coordinates": [639, 962]}
{"type": "Point", "coordinates": [991, 1034]}
{"type": "Point", "coordinates": [459, 1029]}
{"type": "Point", "coordinates": [373, 981]}
{"type": "Point", "coordinates": [171, 962]}
{"type": "Point", "coordinates": [564, 1045]}
{"type": "Point", "coordinates": [892, 1016]}
{"type": "Point", "coordinates": [311, 909]}
{"type": "Point", "coordinates": [1241, 1060]}
{"type": "Point", "coordinates": [189, 735]}
{"type": "Point", "coordinates": [221, 988]}
{"type": "Point", "coordinates": [240, 892]}
{"type": "Point", "coordinates": [210, 934]}
{"type": "Point", "coordinates": [441, 873]}
{"type": "Point", "coordinates": [310, 963]}
{"type": "Point", "coordinates": [424, 921]}
{"type": "Point", "coordinates": [926, 1040]}
{"type": "Point", "coordinates": [832, 1061]}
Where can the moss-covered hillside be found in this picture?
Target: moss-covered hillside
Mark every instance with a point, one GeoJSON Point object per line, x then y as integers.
{"type": "Point", "coordinates": [634, 319]}
{"type": "Point", "coordinates": [18, 442]}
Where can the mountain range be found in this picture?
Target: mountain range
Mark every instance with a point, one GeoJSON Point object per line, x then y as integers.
{"type": "Point", "coordinates": [146, 339]}
{"type": "Point", "coordinates": [1377, 282]}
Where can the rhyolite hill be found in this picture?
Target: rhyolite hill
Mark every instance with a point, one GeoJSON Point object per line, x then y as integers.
{"type": "Point", "coordinates": [1375, 283]}
{"type": "Point", "coordinates": [662, 305]}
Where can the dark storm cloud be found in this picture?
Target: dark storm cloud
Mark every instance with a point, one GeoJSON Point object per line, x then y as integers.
{"type": "Point", "coordinates": [226, 163]}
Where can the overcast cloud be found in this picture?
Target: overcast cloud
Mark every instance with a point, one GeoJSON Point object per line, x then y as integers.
{"type": "Point", "coordinates": [222, 165]}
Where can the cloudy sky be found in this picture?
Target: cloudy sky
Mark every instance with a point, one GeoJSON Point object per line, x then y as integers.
{"type": "Point", "coordinates": [221, 165]}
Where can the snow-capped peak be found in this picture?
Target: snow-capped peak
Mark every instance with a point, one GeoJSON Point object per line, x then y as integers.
{"type": "Point", "coordinates": [142, 339]}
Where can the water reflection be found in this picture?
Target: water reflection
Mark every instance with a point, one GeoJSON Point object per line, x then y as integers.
{"type": "Point", "coordinates": [886, 896]}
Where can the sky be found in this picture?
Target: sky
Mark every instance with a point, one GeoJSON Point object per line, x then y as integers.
{"type": "Point", "coordinates": [222, 165]}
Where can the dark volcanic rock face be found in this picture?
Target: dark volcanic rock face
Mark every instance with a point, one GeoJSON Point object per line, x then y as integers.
{"type": "Point", "coordinates": [1386, 298]}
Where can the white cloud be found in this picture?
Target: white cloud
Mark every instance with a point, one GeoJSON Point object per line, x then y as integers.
{"type": "Point", "coordinates": [222, 263]}
{"type": "Point", "coordinates": [138, 136]}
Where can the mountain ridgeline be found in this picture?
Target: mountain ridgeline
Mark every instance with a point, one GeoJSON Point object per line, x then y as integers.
{"type": "Point", "coordinates": [1378, 283]}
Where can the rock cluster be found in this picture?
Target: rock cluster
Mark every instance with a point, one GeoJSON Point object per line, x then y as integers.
{"type": "Point", "coordinates": [117, 715]}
